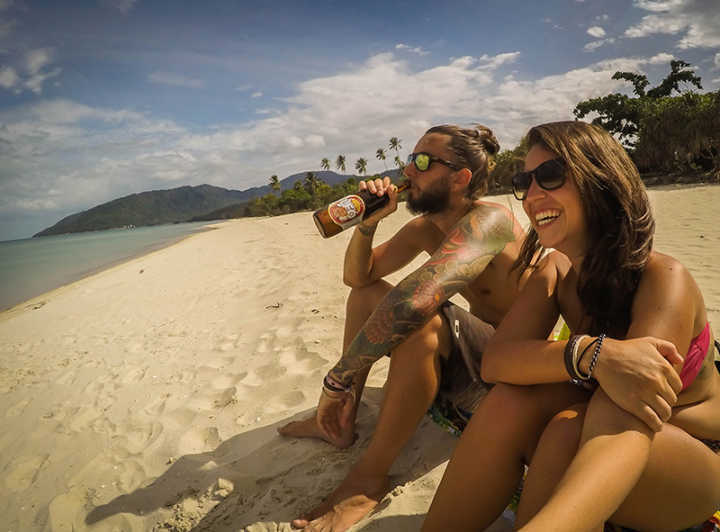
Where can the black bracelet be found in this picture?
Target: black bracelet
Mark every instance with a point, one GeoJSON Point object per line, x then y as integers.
{"type": "Point", "coordinates": [587, 347]}
{"type": "Point", "coordinates": [568, 356]}
{"type": "Point", "coordinates": [596, 353]}
{"type": "Point", "coordinates": [333, 388]}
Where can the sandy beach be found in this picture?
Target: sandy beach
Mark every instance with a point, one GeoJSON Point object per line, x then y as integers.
{"type": "Point", "coordinates": [147, 396]}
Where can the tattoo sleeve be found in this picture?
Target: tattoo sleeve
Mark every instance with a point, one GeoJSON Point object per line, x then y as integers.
{"type": "Point", "coordinates": [467, 250]}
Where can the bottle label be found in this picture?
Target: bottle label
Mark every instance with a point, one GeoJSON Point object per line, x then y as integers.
{"type": "Point", "coordinates": [347, 211]}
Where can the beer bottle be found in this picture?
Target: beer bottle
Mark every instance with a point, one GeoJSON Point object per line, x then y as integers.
{"type": "Point", "coordinates": [350, 210]}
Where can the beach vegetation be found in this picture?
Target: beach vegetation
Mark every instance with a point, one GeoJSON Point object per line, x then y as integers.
{"type": "Point", "coordinates": [665, 129]}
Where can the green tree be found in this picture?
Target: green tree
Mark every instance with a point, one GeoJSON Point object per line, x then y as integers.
{"type": "Point", "coordinates": [311, 183]}
{"type": "Point", "coordinates": [395, 144]}
{"type": "Point", "coordinates": [340, 163]}
{"type": "Point", "coordinates": [361, 166]}
{"type": "Point", "coordinates": [621, 114]}
{"type": "Point", "coordinates": [662, 132]}
{"type": "Point", "coordinates": [380, 156]}
{"type": "Point", "coordinates": [274, 183]}
{"type": "Point", "coordinates": [325, 163]}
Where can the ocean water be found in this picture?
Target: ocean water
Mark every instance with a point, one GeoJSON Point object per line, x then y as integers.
{"type": "Point", "coordinates": [33, 266]}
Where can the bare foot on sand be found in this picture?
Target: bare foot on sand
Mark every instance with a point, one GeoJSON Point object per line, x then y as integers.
{"type": "Point", "coordinates": [348, 504]}
{"type": "Point", "coordinates": [309, 428]}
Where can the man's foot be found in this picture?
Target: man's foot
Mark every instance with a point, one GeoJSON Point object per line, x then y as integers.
{"type": "Point", "coordinates": [348, 504]}
{"type": "Point", "coordinates": [309, 428]}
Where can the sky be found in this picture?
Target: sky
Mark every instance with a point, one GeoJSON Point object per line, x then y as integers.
{"type": "Point", "coordinates": [101, 99]}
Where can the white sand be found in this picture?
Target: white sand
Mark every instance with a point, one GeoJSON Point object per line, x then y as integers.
{"type": "Point", "coordinates": [147, 397]}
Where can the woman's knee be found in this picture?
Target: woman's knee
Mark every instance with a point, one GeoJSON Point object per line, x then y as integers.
{"type": "Point", "coordinates": [565, 428]}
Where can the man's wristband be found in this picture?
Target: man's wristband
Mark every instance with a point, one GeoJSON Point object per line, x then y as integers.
{"type": "Point", "coordinates": [367, 231]}
{"type": "Point", "coordinates": [332, 385]}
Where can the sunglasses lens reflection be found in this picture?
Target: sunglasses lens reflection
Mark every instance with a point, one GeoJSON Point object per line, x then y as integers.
{"type": "Point", "coordinates": [422, 161]}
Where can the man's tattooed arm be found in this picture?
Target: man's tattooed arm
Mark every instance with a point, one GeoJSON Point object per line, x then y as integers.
{"type": "Point", "coordinates": [467, 250]}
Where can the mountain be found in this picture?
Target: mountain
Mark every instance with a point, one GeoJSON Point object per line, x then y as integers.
{"type": "Point", "coordinates": [181, 204]}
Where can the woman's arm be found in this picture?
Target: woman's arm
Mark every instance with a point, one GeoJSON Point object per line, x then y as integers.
{"type": "Point", "coordinates": [519, 352]}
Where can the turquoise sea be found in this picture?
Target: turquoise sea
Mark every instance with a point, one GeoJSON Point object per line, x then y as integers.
{"type": "Point", "coordinates": [33, 266]}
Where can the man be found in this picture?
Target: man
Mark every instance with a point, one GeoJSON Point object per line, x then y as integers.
{"type": "Point", "coordinates": [434, 346]}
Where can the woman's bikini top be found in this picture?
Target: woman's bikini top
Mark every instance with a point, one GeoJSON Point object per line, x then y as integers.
{"type": "Point", "coordinates": [695, 356]}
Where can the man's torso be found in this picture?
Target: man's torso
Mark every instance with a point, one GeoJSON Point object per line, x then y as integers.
{"type": "Point", "coordinates": [491, 294]}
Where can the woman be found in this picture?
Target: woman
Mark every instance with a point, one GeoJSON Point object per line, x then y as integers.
{"type": "Point", "coordinates": [631, 451]}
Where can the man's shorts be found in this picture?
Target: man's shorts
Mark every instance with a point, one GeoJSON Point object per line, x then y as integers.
{"type": "Point", "coordinates": [461, 388]}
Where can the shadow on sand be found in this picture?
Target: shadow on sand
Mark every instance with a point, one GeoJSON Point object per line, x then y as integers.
{"type": "Point", "coordinates": [274, 478]}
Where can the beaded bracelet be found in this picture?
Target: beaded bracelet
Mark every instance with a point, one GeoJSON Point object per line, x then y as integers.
{"type": "Point", "coordinates": [596, 353]}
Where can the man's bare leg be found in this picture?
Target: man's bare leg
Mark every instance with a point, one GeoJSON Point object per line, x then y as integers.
{"type": "Point", "coordinates": [360, 305]}
{"type": "Point", "coordinates": [412, 384]}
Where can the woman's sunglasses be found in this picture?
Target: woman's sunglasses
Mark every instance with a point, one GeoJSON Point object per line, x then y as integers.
{"type": "Point", "coordinates": [423, 161]}
{"type": "Point", "coordinates": [549, 176]}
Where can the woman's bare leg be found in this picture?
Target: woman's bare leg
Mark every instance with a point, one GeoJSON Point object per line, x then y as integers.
{"type": "Point", "coordinates": [487, 463]}
{"type": "Point", "coordinates": [626, 474]}
{"type": "Point", "coordinates": [555, 451]}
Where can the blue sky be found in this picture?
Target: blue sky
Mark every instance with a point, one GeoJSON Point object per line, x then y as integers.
{"type": "Point", "coordinates": [100, 99]}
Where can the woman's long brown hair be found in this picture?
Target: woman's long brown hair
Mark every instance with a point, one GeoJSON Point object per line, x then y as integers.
{"type": "Point", "coordinates": [618, 216]}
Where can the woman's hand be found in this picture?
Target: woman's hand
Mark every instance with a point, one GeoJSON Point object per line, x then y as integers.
{"type": "Point", "coordinates": [637, 374]}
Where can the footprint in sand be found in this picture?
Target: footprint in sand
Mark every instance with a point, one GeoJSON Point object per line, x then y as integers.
{"type": "Point", "coordinates": [24, 473]}
{"type": "Point", "coordinates": [198, 441]}
{"type": "Point", "coordinates": [17, 408]}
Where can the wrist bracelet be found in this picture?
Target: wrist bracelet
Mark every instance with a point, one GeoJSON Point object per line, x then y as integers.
{"type": "Point", "coordinates": [575, 352]}
{"type": "Point", "coordinates": [568, 356]}
{"type": "Point", "coordinates": [332, 385]}
{"type": "Point", "coordinates": [582, 355]}
{"type": "Point", "coordinates": [596, 353]}
{"type": "Point", "coordinates": [367, 231]}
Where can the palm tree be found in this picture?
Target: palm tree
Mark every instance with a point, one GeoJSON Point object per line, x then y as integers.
{"type": "Point", "coordinates": [380, 156]}
{"type": "Point", "coordinates": [395, 144]}
{"type": "Point", "coordinates": [361, 166]}
{"type": "Point", "coordinates": [325, 163]}
{"type": "Point", "coordinates": [311, 183]}
{"type": "Point", "coordinates": [340, 163]}
{"type": "Point", "coordinates": [274, 183]}
{"type": "Point", "coordinates": [399, 163]}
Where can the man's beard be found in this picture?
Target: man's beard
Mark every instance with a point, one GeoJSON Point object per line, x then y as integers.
{"type": "Point", "coordinates": [432, 200]}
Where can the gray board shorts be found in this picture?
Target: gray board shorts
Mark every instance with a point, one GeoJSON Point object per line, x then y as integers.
{"type": "Point", "coordinates": [461, 388]}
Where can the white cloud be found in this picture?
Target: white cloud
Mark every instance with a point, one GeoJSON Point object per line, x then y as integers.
{"type": "Point", "coordinates": [30, 73]}
{"type": "Point", "coordinates": [596, 31]}
{"type": "Point", "coordinates": [698, 21]}
{"type": "Point", "coordinates": [35, 60]}
{"type": "Point", "coordinates": [498, 60]}
{"type": "Point", "coordinates": [243, 88]}
{"type": "Point", "coordinates": [717, 60]}
{"type": "Point", "coordinates": [661, 59]}
{"type": "Point", "coordinates": [256, 94]}
{"type": "Point", "coordinates": [8, 78]}
{"type": "Point", "coordinates": [415, 50]}
{"type": "Point", "coordinates": [603, 17]}
{"type": "Point", "coordinates": [176, 80]}
{"type": "Point", "coordinates": [594, 45]}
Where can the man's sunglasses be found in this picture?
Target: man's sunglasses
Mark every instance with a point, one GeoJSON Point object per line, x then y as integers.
{"type": "Point", "coordinates": [549, 176]}
{"type": "Point", "coordinates": [423, 161]}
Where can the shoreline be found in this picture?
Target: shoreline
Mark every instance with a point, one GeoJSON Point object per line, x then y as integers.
{"type": "Point", "coordinates": [149, 249]}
